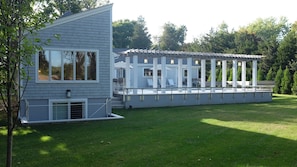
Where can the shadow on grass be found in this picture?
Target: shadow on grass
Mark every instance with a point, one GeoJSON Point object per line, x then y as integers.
{"type": "Point", "coordinates": [281, 110]}
{"type": "Point", "coordinates": [172, 144]}
{"type": "Point", "coordinates": [219, 135]}
{"type": "Point", "coordinates": [219, 146]}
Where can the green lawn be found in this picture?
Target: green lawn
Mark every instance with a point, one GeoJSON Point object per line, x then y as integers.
{"type": "Point", "coordinates": [263, 134]}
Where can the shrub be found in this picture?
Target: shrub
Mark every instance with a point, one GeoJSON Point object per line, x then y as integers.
{"type": "Point", "coordinates": [286, 82]}
{"type": "Point", "coordinates": [294, 87]}
{"type": "Point", "coordinates": [277, 80]}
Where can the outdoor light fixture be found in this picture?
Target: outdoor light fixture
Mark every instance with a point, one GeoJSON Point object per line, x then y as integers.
{"type": "Point", "coordinates": [145, 60]}
{"type": "Point", "coordinates": [68, 93]}
{"type": "Point", "coordinates": [172, 61]}
{"type": "Point", "coordinates": [239, 64]}
{"type": "Point", "coordinates": [219, 63]}
{"type": "Point", "coordinates": [196, 62]}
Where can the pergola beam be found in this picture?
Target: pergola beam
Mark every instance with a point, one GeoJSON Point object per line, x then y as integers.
{"type": "Point", "coordinates": [197, 55]}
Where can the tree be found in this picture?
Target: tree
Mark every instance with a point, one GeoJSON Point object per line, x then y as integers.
{"type": "Point", "coordinates": [57, 8]}
{"type": "Point", "coordinates": [60, 7]}
{"type": "Point", "coordinates": [269, 32]}
{"type": "Point", "coordinates": [287, 49]}
{"type": "Point", "coordinates": [122, 33]}
{"type": "Point", "coordinates": [246, 43]}
{"type": "Point", "coordinates": [230, 74]}
{"type": "Point", "coordinates": [248, 73]}
{"type": "Point", "coordinates": [277, 80]}
{"type": "Point", "coordinates": [286, 82]}
{"type": "Point", "coordinates": [18, 21]}
{"type": "Point", "coordinates": [294, 87]}
{"type": "Point", "coordinates": [222, 41]}
{"type": "Point", "coordinates": [219, 74]}
{"type": "Point", "coordinates": [131, 34]}
{"type": "Point", "coordinates": [218, 40]}
{"type": "Point", "coordinates": [173, 37]}
{"type": "Point", "coordinates": [239, 74]}
{"type": "Point", "coordinates": [260, 75]}
{"type": "Point", "coordinates": [269, 76]}
{"type": "Point", "coordinates": [140, 39]}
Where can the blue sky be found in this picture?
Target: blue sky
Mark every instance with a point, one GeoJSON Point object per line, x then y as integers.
{"type": "Point", "coordinates": [200, 15]}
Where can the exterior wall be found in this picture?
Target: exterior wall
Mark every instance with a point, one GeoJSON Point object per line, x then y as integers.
{"type": "Point", "coordinates": [165, 100]}
{"type": "Point", "coordinates": [87, 33]}
{"type": "Point", "coordinates": [37, 110]}
{"type": "Point", "coordinates": [171, 73]}
{"type": "Point", "coordinates": [99, 108]}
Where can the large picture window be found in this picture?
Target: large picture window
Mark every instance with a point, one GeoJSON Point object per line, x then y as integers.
{"type": "Point", "coordinates": [66, 65]}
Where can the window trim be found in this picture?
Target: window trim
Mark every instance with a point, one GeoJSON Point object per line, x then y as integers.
{"type": "Point", "coordinates": [68, 101]}
{"type": "Point", "coordinates": [149, 76]}
{"type": "Point", "coordinates": [62, 67]}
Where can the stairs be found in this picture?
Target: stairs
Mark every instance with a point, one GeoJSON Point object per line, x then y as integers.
{"type": "Point", "coordinates": [117, 102]}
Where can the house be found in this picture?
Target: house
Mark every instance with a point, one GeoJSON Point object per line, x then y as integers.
{"type": "Point", "coordinates": [157, 78]}
{"type": "Point", "coordinates": [145, 68]}
{"type": "Point", "coordinates": [71, 79]}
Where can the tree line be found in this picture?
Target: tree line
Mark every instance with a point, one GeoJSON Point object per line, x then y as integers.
{"type": "Point", "coordinates": [276, 39]}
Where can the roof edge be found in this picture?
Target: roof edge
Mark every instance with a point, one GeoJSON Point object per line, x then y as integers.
{"type": "Point", "coordinates": [80, 15]}
{"type": "Point", "coordinates": [156, 53]}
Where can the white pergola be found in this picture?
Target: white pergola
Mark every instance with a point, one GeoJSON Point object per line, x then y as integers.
{"type": "Point", "coordinates": [190, 56]}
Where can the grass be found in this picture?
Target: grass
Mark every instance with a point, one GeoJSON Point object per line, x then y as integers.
{"type": "Point", "coordinates": [240, 135]}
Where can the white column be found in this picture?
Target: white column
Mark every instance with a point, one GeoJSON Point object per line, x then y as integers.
{"type": "Point", "coordinates": [179, 73]}
{"type": "Point", "coordinates": [163, 73]}
{"type": "Point", "coordinates": [234, 74]}
{"type": "Point", "coordinates": [213, 74]}
{"type": "Point", "coordinates": [254, 77]}
{"type": "Point", "coordinates": [189, 73]}
{"type": "Point", "coordinates": [155, 72]}
{"type": "Point", "coordinates": [135, 74]}
{"type": "Point", "coordinates": [128, 72]}
{"type": "Point", "coordinates": [203, 69]}
{"type": "Point", "coordinates": [243, 74]}
{"type": "Point", "coordinates": [224, 73]}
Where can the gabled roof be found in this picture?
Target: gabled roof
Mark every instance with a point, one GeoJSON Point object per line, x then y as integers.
{"type": "Point", "coordinates": [181, 54]}
{"type": "Point", "coordinates": [80, 15]}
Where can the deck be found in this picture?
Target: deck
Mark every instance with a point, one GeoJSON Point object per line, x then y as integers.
{"type": "Point", "coordinates": [148, 97]}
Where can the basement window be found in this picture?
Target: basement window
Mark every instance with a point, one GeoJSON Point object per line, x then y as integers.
{"type": "Point", "coordinates": [64, 110]}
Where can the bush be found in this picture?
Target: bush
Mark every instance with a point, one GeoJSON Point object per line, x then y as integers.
{"type": "Point", "coordinates": [286, 82]}
{"type": "Point", "coordinates": [277, 80]}
{"type": "Point", "coordinates": [260, 75]}
{"type": "Point", "coordinates": [269, 76]}
{"type": "Point", "coordinates": [294, 87]}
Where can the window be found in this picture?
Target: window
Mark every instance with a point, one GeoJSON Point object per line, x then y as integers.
{"type": "Point", "coordinates": [148, 72]}
{"type": "Point", "coordinates": [185, 73]}
{"type": "Point", "coordinates": [62, 110]}
{"type": "Point", "coordinates": [66, 65]}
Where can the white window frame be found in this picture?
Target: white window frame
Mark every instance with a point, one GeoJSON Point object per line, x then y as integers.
{"type": "Point", "coordinates": [149, 76]}
{"type": "Point", "coordinates": [62, 67]}
{"type": "Point", "coordinates": [68, 101]}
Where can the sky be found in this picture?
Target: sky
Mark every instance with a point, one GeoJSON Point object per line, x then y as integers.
{"type": "Point", "coordinates": [199, 16]}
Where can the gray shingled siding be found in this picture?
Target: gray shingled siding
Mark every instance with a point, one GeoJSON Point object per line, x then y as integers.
{"type": "Point", "coordinates": [97, 108]}
{"type": "Point", "coordinates": [89, 33]}
{"type": "Point", "coordinates": [36, 110]}
{"type": "Point", "coordinates": [77, 35]}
